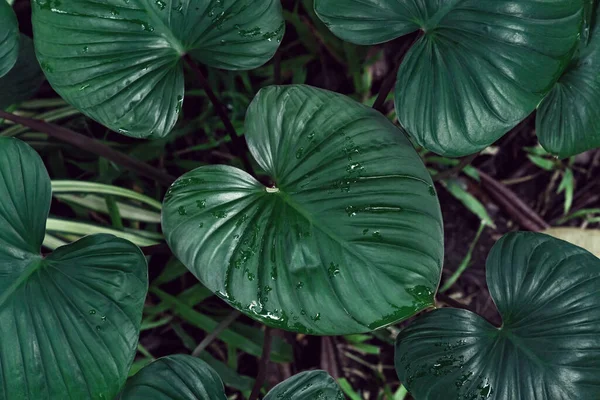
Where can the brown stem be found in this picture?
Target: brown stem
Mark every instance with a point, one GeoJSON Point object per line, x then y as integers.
{"type": "Point", "coordinates": [93, 146]}
{"type": "Point", "coordinates": [237, 146]}
{"type": "Point", "coordinates": [277, 68]}
{"type": "Point", "coordinates": [449, 173]}
{"type": "Point", "coordinates": [513, 205]}
{"type": "Point", "coordinates": [235, 314]}
{"type": "Point", "coordinates": [390, 80]}
{"type": "Point", "coordinates": [264, 363]}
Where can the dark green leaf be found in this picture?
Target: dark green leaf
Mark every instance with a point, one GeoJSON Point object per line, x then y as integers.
{"type": "Point", "coordinates": [119, 61]}
{"type": "Point", "coordinates": [177, 377]}
{"type": "Point", "coordinates": [24, 80]}
{"type": "Point", "coordinates": [350, 239]}
{"type": "Point", "coordinates": [480, 67]}
{"type": "Point", "coordinates": [548, 346]}
{"type": "Point", "coordinates": [307, 386]}
{"type": "Point", "coordinates": [568, 120]}
{"type": "Point", "coordinates": [9, 38]}
{"type": "Point", "coordinates": [69, 321]}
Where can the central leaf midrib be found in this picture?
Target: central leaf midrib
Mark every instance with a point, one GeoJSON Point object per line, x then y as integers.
{"type": "Point", "coordinates": [35, 263]}
{"type": "Point", "coordinates": [287, 199]}
{"type": "Point", "coordinates": [165, 30]}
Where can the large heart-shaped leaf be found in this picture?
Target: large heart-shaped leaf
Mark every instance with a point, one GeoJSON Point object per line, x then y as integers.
{"type": "Point", "coordinates": [9, 38]}
{"type": "Point", "coordinates": [548, 347]}
{"type": "Point", "coordinates": [568, 120]}
{"type": "Point", "coordinates": [307, 386]}
{"type": "Point", "coordinates": [119, 61]}
{"type": "Point", "coordinates": [480, 67]}
{"type": "Point", "coordinates": [349, 240]}
{"type": "Point", "coordinates": [176, 377]}
{"type": "Point", "coordinates": [181, 377]}
{"type": "Point", "coordinates": [24, 80]}
{"type": "Point", "coordinates": [69, 322]}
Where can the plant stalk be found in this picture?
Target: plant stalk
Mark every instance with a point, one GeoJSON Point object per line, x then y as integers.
{"type": "Point", "coordinates": [390, 80]}
{"type": "Point", "coordinates": [93, 146]}
{"type": "Point", "coordinates": [237, 146]}
{"type": "Point", "coordinates": [264, 363]}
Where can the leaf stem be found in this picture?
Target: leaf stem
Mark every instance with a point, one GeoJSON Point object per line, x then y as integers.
{"type": "Point", "coordinates": [237, 146]}
{"type": "Point", "coordinates": [449, 173]}
{"type": "Point", "coordinates": [390, 80]}
{"type": "Point", "coordinates": [262, 367]}
{"type": "Point", "coordinates": [93, 146]}
{"type": "Point", "coordinates": [235, 314]}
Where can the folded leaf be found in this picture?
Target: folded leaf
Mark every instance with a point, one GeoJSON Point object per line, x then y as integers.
{"type": "Point", "coordinates": [119, 61]}
{"type": "Point", "coordinates": [69, 321]}
{"type": "Point", "coordinates": [349, 239]}
{"type": "Point", "coordinates": [548, 346]}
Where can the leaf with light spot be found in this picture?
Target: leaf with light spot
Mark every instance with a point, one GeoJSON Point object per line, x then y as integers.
{"type": "Point", "coordinates": [548, 347]}
{"type": "Point", "coordinates": [350, 239]}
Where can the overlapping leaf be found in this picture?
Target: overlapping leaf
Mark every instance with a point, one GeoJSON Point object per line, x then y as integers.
{"type": "Point", "coordinates": [69, 321]}
{"type": "Point", "coordinates": [548, 347]}
{"type": "Point", "coordinates": [349, 240]}
{"type": "Point", "coordinates": [9, 38]}
{"type": "Point", "coordinates": [479, 68]}
{"type": "Point", "coordinates": [120, 61]}
{"type": "Point", "coordinates": [568, 120]}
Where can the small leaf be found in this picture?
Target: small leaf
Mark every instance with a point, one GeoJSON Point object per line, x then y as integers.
{"type": "Point", "coordinates": [307, 386]}
{"type": "Point", "coordinates": [119, 62]}
{"type": "Point", "coordinates": [177, 377]}
{"type": "Point", "coordinates": [9, 38]}
{"type": "Point", "coordinates": [348, 241]}
{"type": "Point", "coordinates": [548, 346]}
{"type": "Point", "coordinates": [69, 321]}
{"type": "Point", "coordinates": [567, 121]}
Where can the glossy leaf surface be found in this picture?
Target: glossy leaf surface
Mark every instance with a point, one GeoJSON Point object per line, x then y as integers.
{"type": "Point", "coordinates": [69, 321]}
{"type": "Point", "coordinates": [349, 240]}
{"type": "Point", "coordinates": [24, 80]}
{"type": "Point", "coordinates": [548, 347]}
{"type": "Point", "coordinates": [9, 38]}
{"type": "Point", "coordinates": [120, 61]}
{"type": "Point", "coordinates": [177, 377]}
{"type": "Point", "coordinates": [307, 386]}
{"type": "Point", "coordinates": [568, 120]}
{"type": "Point", "coordinates": [480, 67]}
